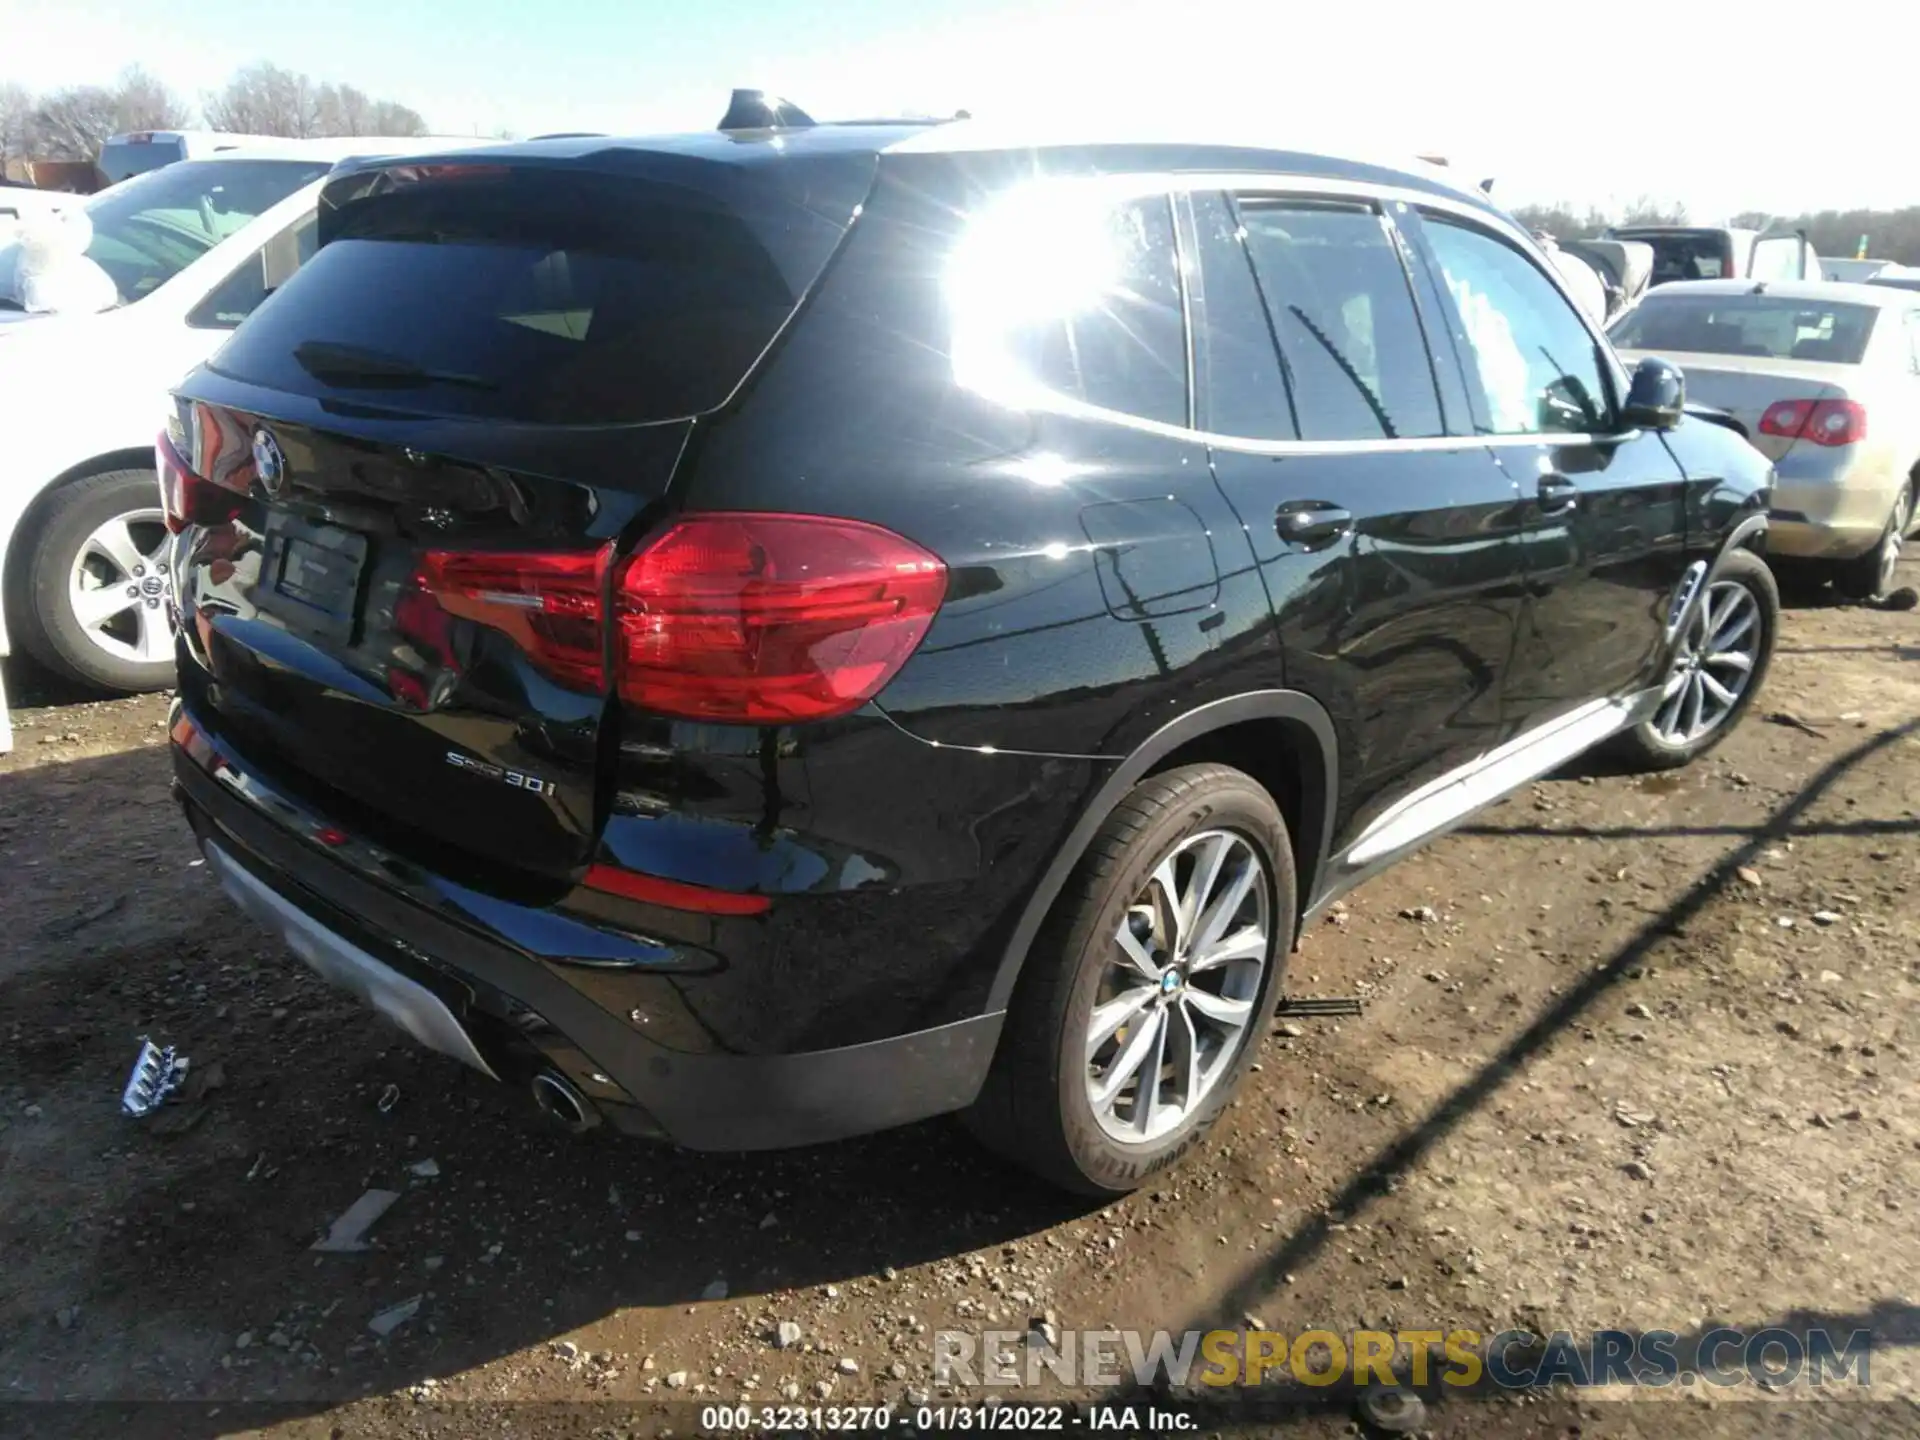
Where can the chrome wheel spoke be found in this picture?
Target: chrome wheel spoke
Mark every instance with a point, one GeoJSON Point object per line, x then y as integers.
{"type": "Point", "coordinates": [1146, 1095]}
{"type": "Point", "coordinates": [1108, 1019]}
{"type": "Point", "coordinates": [1183, 1050]}
{"type": "Point", "coordinates": [1712, 667]}
{"type": "Point", "coordinates": [114, 541]}
{"type": "Point", "coordinates": [94, 607]}
{"type": "Point", "coordinates": [1224, 906]}
{"type": "Point", "coordinates": [1137, 957]}
{"type": "Point", "coordinates": [1209, 855]}
{"type": "Point", "coordinates": [1732, 659]}
{"type": "Point", "coordinates": [1718, 691]}
{"type": "Point", "coordinates": [1247, 944]}
{"type": "Point", "coordinates": [1128, 1062]}
{"type": "Point", "coordinates": [1218, 1008]}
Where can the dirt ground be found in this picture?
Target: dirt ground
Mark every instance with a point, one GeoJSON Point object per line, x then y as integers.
{"type": "Point", "coordinates": [1636, 1052]}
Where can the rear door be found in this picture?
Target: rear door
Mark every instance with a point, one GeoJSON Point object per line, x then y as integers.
{"type": "Point", "coordinates": [442, 426]}
{"type": "Point", "coordinates": [1387, 536]}
{"type": "Point", "coordinates": [1605, 509]}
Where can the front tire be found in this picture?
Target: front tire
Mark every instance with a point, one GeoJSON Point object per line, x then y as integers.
{"type": "Point", "coordinates": [1147, 992]}
{"type": "Point", "coordinates": [1718, 668]}
{"type": "Point", "coordinates": [89, 598]}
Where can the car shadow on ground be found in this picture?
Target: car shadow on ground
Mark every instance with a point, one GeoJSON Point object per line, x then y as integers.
{"type": "Point", "coordinates": [1895, 1322]}
{"type": "Point", "coordinates": [168, 1241]}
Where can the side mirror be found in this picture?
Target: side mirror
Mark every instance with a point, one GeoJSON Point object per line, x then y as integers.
{"type": "Point", "coordinates": [1657, 397]}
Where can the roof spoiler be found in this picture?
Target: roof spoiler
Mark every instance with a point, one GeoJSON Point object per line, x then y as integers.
{"type": "Point", "coordinates": [757, 110]}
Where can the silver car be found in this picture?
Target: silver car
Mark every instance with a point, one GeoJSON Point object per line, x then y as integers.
{"type": "Point", "coordinates": [1825, 378]}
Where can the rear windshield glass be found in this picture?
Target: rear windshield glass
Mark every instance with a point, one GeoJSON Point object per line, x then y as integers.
{"type": "Point", "coordinates": [1686, 257]}
{"type": "Point", "coordinates": [121, 158]}
{"type": "Point", "coordinates": [1764, 325]}
{"type": "Point", "coordinates": [541, 296]}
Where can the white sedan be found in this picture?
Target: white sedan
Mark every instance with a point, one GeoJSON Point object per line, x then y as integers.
{"type": "Point", "coordinates": [191, 249]}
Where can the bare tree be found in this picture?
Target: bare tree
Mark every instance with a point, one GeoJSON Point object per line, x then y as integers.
{"type": "Point", "coordinates": [16, 121]}
{"type": "Point", "coordinates": [72, 124]}
{"type": "Point", "coordinates": [263, 99]}
{"type": "Point", "coordinates": [143, 102]}
{"type": "Point", "coordinates": [1645, 210]}
{"type": "Point", "coordinates": [390, 117]}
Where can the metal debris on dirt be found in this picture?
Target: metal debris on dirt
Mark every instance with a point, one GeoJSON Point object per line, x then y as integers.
{"type": "Point", "coordinates": [1396, 1411]}
{"type": "Point", "coordinates": [347, 1234]}
{"type": "Point", "coordinates": [394, 1316]}
{"type": "Point", "coordinates": [424, 1169]}
{"type": "Point", "coordinates": [157, 1073]}
{"type": "Point", "coordinates": [389, 1098]}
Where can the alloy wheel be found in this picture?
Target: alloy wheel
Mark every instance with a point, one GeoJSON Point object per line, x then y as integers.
{"type": "Point", "coordinates": [117, 587]}
{"type": "Point", "coordinates": [1176, 1002]}
{"type": "Point", "coordinates": [1713, 667]}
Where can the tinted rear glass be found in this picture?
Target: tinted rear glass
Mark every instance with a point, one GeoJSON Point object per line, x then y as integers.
{"type": "Point", "coordinates": [545, 296]}
{"type": "Point", "coordinates": [1686, 257]}
{"type": "Point", "coordinates": [1770, 326]}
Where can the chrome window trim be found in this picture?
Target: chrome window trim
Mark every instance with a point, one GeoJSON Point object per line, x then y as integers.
{"type": "Point", "coordinates": [1137, 185]}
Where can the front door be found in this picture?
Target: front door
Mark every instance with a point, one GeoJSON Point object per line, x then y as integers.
{"type": "Point", "coordinates": [1605, 509]}
{"type": "Point", "coordinates": [1387, 536]}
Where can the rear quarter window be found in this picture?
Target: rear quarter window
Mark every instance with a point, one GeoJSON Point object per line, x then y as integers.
{"type": "Point", "coordinates": [1056, 289]}
{"type": "Point", "coordinates": [525, 294]}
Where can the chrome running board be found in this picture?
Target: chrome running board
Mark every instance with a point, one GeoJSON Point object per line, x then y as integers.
{"type": "Point", "coordinates": [1439, 806]}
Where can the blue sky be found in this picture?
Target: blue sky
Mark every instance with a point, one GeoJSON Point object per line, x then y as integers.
{"type": "Point", "coordinates": [1714, 106]}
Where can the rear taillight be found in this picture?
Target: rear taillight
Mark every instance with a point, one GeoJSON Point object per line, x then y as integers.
{"type": "Point", "coordinates": [548, 602]}
{"type": "Point", "coordinates": [747, 619]}
{"type": "Point", "coordinates": [1824, 422]}
{"type": "Point", "coordinates": [186, 498]}
{"type": "Point", "coordinates": [761, 619]}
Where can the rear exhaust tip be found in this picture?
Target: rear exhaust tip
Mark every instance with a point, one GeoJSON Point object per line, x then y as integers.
{"type": "Point", "coordinates": [561, 1102]}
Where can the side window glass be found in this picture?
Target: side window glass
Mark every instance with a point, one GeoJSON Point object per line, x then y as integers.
{"type": "Point", "coordinates": [1337, 296]}
{"type": "Point", "coordinates": [1063, 291]}
{"type": "Point", "coordinates": [1538, 365]}
{"type": "Point", "coordinates": [1242, 389]}
{"type": "Point", "coordinates": [262, 273]}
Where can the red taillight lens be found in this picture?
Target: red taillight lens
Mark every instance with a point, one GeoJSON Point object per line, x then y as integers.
{"type": "Point", "coordinates": [1837, 422]}
{"type": "Point", "coordinates": [547, 602]}
{"type": "Point", "coordinates": [1824, 422]}
{"type": "Point", "coordinates": [1786, 418]}
{"type": "Point", "coordinates": [185, 497]}
{"type": "Point", "coordinates": [769, 619]}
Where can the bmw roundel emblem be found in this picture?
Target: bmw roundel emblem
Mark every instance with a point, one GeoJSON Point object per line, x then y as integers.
{"type": "Point", "coordinates": [268, 462]}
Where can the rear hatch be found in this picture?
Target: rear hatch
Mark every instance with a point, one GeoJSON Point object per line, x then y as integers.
{"type": "Point", "coordinates": [411, 471]}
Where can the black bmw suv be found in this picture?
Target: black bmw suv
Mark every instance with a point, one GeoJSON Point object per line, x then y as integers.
{"type": "Point", "coordinates": [770, 634]}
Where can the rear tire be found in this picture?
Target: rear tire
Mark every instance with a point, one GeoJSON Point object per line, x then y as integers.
{"type": "Point", "coordinates": [93, 542]}
{"type": "Point", "coordinates": [1041, 1106]}
{"type": "Point", "coordinates": [1741, 617]}
{"type": "Point", "coordinates": [1869, 576]}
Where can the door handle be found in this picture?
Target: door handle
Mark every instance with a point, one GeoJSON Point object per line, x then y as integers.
{"type": "Point", "coordinates": [1311, 522]}
{"type": "Point", "coordinates": [1557, 494]}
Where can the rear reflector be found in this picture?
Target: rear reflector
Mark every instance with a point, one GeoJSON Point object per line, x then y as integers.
{"type": "Point", "coordinates": [186, 498]}
{"type": "Point", "coordinates": [763, 619]}
{"type": "Point", "coordinates": [1824, 422]}
{"type": "Point", "coordinates": [674, 894]}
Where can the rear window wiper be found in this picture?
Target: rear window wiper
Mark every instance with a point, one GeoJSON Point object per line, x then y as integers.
{"type": "Point", "coordinates": [354, 367]}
